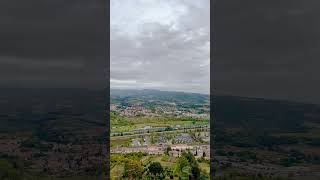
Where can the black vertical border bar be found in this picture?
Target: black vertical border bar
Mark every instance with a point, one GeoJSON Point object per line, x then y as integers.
{"type": "Point", "coordinates": [212, 104]}
{"type": "Point", "coordinates": [107, 89]}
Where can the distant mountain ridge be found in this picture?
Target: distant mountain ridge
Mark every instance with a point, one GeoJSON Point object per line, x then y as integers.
{"type": "Point", "coordinates": [157, 95]}
{"type": "Point", "coordinates": [25, 106]}
{"type": "Point", "coordinates": [114, 91]}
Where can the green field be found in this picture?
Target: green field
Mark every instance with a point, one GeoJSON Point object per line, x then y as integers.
{"type": "Point", "coordinates": [123, 124]}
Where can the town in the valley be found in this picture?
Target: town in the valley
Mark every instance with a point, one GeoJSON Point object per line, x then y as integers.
{"type": "Point", "coordinates": [160, 127]}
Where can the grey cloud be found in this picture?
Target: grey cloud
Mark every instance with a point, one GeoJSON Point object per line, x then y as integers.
{"type": "Point", "coordinates": [267, 49]}
{"type": "Point", "coordinates": [34, 64]}
{"type": "Point", "coordinates": [163, 56]}
{"type": "Point", "coordinates": [57, 40]}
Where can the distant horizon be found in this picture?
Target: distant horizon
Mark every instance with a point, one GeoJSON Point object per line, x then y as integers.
{"type": "Point", "coordinates": [220, 93]}
{"type": "Point", "coordinates": [153, 89]}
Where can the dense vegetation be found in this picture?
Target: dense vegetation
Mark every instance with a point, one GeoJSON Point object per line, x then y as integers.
{"type": "Point", "coordinates": [137, 166]}
{"type": "Point", "coordinates": [266, 132]}
{"type": "Point", "coordinates": [38, 119]}
{"type": "Point", "coordinates": [152, 97]}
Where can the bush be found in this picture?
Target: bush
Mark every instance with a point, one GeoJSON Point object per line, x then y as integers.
{"type": "Point", "coordinates": [133, 169]}
{"type": "Point", "coordinates": [155, 168]}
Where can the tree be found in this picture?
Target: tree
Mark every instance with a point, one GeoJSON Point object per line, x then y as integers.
{"type": "Point", "coordinates": [182, 168]}
{"type": "Point", "coordinates": [187, 166]}
{"type": "Point", "coordinates": [133, 169]}
{"type": "Point", "coordinates": [155, 169]}
{"type": "Point", "coordinates": [195, 172]}
{"type": "Point", "coordinates": [204, 154]}
{"type": "Point", "coordinates": [168, 149]}
{"type": "Point", "coordinates": [204, 176]}
{"type": "Point", "coordinates": [168, 172]}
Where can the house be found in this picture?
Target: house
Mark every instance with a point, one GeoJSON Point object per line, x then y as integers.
{"type": "Point", "coordinates": [147, 127]}
{"type": "Point", "coordinates": [136, 142]}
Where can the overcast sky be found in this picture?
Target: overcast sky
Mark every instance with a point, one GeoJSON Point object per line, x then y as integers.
{"type": "Point", "coordinates": [268, 49]}
{"type": "Point", "coordinates": [263, 48]}
{"type": "Point", "coordinates": [53, 43]}
{"type": "Point", "coordinates": [160, 44]}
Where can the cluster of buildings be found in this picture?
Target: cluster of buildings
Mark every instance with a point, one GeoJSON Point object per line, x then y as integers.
{"type": "Point", "coordinates": [183, 138]}
{"type": "Point", "coordinates": [132, 111]}
{"type": "Point", "coordinates": [176, 150]}
{"type": "Point", "coordinates": [197, 150]}
{"type": "Point", "coordinates": [136, 111]}
{"type": "Point", "coordinates": [140, 110]}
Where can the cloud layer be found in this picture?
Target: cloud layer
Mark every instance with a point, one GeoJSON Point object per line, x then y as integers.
{"type": "Point", "coordinates": [268, 49]}
{"type": "Point", "coordinates": [160, 44]}
{"type": "Point", "coordinates": [58, 43]}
